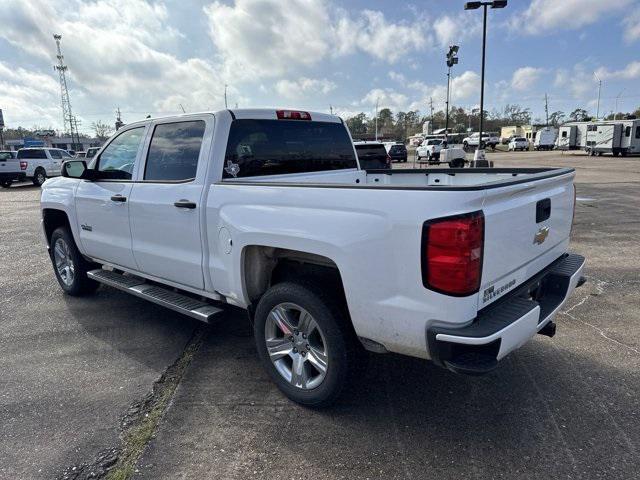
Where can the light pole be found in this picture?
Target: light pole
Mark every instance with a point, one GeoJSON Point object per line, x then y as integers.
{"type": "Point", "coordinates": [599, 88]}
{"type": "Point", "coordinates": [452, 59]}
{"type": "Point", "coordinates": [479, 155]}
{"type": "Point", "coordinates": [615, 114]}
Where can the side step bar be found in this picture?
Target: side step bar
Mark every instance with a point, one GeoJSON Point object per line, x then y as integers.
{"type": "Point", "coordinates": [159, 295]}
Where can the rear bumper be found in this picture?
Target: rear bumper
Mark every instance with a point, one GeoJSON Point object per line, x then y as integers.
{"type": "Point", "coordinates": [9, 176]}
{"type": "Point", "coordinates": [507, 324]}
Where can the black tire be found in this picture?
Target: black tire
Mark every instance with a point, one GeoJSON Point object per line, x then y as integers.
{"type": "Point", "coordinates": [6, 184]}
{"type": "Point", "coordinates": [456, 163]}
{"type": "Point", "coordinates": [341, 346]}
{"type": "Point", "coordinates": [39, 177]}
{"type": "Point", "coordinates": [80, 284]}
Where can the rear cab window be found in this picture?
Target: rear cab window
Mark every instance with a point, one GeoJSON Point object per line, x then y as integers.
{"type": "Point", "coordinates": [372, 156]}
{"type": "Point", "coordinates": [5, 156]}
{"type": "Point", "coordinates": [174, 151]}
{"type": "Point", "coordinates": [276, 147]}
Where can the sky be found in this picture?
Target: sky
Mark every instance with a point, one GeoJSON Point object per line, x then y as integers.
{"type": "Point", "coordinates": [158, 57]}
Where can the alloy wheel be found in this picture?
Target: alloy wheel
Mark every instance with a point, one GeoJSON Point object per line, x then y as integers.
{"type": "Point", "coordinates": [296, 346]}
{"type": "Point", "coordinates": [64, 262]}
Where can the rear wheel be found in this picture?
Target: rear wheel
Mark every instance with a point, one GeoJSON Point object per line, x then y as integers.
{"type": "Point", "coordinates": [6, 183]}
{"type": "Point", "coordinates": [456, 163]}
{"type": "Point", "coordinates": [39, 177]}
{"type": "Point", "coordinates": [69, 265]}
{"type": "Point", "coordinates": [305, 342]}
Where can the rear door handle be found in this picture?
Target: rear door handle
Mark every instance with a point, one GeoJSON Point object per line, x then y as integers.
{"type": "Point", "coordinates": [118, 198]}
{"type": "Point", "coordinates": [185, 204]}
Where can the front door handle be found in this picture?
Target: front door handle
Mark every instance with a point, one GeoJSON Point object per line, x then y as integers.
{"type": "Point", "coordinates": [118, 198]}
{"type": "Point", "coordinates": [184, 204]}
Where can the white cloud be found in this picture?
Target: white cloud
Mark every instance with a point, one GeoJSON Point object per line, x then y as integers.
{"type": "Point", "coordinates": [546, 15]}
{"type": "Point", "coordinates": [630, 72]}
{"type": "Point", "coordinates": [631, 26]}
{"type": "Point", "coordinates": [578, 81]}
{"type": "Point", "coordinates": [116, 51]}
{"type": "Point", "coordinates": [451, 30]}
{"type": "Point", "coordinates": [397, 77]}
{"type": "Point", "coordinates": [303, 87]}
{"type": "Point", "coordinates": [463, 87]}
{"type": "Point", "coordinates": [386, 98]}
{"type": "Point", "coordinates": [525, 77]}
{"type": "Point", "coordinates": [301, 33]}
{"type": "Point", "coordinates": [373, 34]}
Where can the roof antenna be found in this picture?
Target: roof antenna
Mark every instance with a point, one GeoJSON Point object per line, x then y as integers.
{"type": "Point", "coordinates": [182, 108]}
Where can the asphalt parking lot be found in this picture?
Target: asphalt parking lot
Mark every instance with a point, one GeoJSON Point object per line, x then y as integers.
{"type": "Point", "coordinates": [74, 373]}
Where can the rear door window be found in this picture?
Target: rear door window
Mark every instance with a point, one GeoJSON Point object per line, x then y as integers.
{"type": "Point", "coordinates": [274, 147]}
{"type": "Point", "coordinates": [118, 159]}
{"type": "Point", "coordinates": [55, 154]}
{"type": "Point", "coordinates": [174, 150]}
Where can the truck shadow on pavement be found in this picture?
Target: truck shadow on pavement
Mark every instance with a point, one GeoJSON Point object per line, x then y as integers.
{"type": "Point", "coordinates": [545, 411]}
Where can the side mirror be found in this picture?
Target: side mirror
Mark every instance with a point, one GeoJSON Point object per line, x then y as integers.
{"type": "Point", "coordinates": [75, 169]}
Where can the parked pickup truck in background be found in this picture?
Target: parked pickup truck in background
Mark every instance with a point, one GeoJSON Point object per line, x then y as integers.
{"type": "Point", "coordinates": [268, 210]}
{"type": "Point", "coordinates": [42, 163]}
{"type": "Point", "coordinates": [489, 139]}
{"type": "Point", "coordinates": [11, 169]}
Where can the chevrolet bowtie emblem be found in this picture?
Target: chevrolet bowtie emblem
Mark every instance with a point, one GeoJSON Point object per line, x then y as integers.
{"type": "Point", "coordinates": [541, 235]}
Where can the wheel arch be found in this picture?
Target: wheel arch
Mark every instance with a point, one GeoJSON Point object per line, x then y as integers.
{"type": "Point", "coordinates": [264, 266]}
{"type": "Point", "coordinates": [53, 218]}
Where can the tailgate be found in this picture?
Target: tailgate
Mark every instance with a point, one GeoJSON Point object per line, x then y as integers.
{"type": "Point", "coordinates": [11, 165]}
{"type": "Point", "coordinates": [527, 226]}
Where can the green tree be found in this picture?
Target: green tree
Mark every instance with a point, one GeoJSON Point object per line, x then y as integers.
{"type": "Point", "coordinates": [579, 115]}
{"type": "Point", "coordinates": [357, 124]}
{"type": "Point", "coordinates": [556, 118]}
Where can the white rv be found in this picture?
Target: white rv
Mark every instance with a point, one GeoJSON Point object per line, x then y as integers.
{"type": "Point", "coordinates": [618, 137]}
{"type": "Point", "coordinates": [545, 138]}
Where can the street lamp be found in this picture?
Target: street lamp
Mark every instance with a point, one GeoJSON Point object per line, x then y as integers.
{"type": "Point", "coordinates": [452, 59]}
{"type": "Point", "coordinates": [479, 155]}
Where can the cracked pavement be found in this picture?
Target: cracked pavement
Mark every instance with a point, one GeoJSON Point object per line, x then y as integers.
{"type": "Point", "coordinates": [565, 407]}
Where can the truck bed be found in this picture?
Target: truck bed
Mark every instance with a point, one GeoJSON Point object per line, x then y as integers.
{"type": "Point", "coordinates": [420, 179]}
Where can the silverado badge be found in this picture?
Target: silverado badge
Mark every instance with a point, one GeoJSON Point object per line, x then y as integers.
{"type": "Point", "coordinates": [541, 235]}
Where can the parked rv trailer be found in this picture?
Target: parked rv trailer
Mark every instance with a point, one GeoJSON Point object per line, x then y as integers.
{"type": "Point", "coordinates": [545, 138]}
{"type": "Point", "coordinates": [618, 137]}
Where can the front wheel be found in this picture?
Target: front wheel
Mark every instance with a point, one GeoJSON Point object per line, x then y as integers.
{"type": "Point", "coordinates": [69, 265]}
{"type": "Point", "coordinates": [305, 343]}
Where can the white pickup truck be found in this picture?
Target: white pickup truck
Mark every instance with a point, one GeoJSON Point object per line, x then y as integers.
{"type": "Point", "coordinates": [268, 210]}
{"type": "Point", "coordinates": [42, 163]}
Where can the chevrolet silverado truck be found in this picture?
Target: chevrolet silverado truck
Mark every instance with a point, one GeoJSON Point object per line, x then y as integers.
{"type": "Point", "coordinates": [269, 211]}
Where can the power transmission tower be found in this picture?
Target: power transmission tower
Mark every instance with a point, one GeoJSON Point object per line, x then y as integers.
{"type": "Point", "coordinates": [69, 122]}
{"type": "Point", "coordinates": [431, 118]}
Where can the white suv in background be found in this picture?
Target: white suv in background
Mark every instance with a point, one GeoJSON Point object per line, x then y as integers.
{"type": "Point", "coordinates": [42, 163]}
{"type": "Point", "coordinates": [518, 143]}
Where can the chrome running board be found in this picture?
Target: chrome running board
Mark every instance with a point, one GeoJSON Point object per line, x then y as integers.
{"type": "Point", "coordinates": [159, 295]}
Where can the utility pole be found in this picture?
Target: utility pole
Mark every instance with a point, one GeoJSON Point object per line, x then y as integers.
{"type": "Point", "coordinates": [68, 122]}
{"type": "Point", "coordinates": [546, 108]}
{"type": "Point", "coordinates": [431, 107]}
{"type": "Point", "coordinates": [377, 119]}
{"type": "Point", "coordinates": [599, 89]}
{"type": "Point", "coordinates": [119, 122]}
{"type": "Point", "coordinates": [225, 95]}
{"type": "Point", "coordinates": [331, 109]}
{"type": "Point", "coordinates": [615, 114]}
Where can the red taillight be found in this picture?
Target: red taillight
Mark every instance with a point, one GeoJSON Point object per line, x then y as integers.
{"type": "Point", "coordinates": [452, 254]}
{"type": "Point", "coordinates": [292, 115]}
{"type": "Point", "coordinates": [23, 165]}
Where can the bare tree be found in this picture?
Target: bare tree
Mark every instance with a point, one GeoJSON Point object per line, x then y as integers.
{"type": "Point", "coordinates": [101, 129]}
